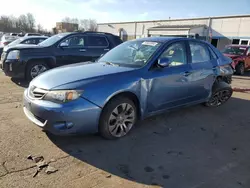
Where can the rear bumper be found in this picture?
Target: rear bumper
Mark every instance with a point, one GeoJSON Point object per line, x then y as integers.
{"type": "Point", "coordinates": [13, 68]}
{"type": "Point", "coordinates": [79, 116]}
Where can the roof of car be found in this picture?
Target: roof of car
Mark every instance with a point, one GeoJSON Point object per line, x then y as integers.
{"type": "Point", "coordinates": [27, 37]}
{"type": "Point", "coordinates": [158, 39]}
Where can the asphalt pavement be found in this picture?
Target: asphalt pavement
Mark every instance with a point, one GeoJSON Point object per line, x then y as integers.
{"type": "Point", "coordinates": [194, 147]}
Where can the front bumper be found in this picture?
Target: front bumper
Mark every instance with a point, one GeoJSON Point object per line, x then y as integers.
{"type": "Point", "coordinates": [13, 68]}
{"type": "Point", "coordinates": [75, 117]}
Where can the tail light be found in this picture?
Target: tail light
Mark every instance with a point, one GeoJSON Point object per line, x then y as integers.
{"type": "Point", "coordinates": [5, 43]}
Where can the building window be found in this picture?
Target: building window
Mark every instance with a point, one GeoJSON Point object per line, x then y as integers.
{"type": "Point", "coordinates": [244, 42]}
{"type": "Point", "coordinates": [236, 41]}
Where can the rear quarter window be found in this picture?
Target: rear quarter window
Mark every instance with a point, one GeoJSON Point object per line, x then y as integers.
{"type": "Point", "coordinates": [213, 55]}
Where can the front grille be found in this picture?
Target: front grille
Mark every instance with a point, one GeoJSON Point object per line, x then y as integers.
{"type": "Point", "coordinates": [36, 93]}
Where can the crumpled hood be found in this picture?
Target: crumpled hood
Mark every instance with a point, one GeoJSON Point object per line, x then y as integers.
{"type": "Point", "coordinates": [231, 56]}
{"type": "Point", "coordinates": [75, 72]}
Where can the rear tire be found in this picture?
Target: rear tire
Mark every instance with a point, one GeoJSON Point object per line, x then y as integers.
{"type": "Point", "coordinates": [118, 118]}
{"type": "Point", "coordinates": [240, 69]}
{"type": "Point", "coordinates": [221, 93]}
{"type": "Point", "coordinates": [34, 69]}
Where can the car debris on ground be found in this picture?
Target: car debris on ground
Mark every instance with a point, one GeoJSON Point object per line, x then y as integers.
{"type": "Point", "coordinates": [41, 164]}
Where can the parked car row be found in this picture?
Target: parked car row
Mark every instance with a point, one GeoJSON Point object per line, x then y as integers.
{"type": "Point", "coordinates": [104, 85]}
{"type": "Point", "coordinates": [28, 61]}
{"type": "Point", "coordinates": [6, 39]}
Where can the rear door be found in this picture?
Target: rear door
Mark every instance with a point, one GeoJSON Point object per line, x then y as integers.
{"type": "Point", "coordinates": [202, 65]}
{"type": "Point", "coordinates": [96, 46]}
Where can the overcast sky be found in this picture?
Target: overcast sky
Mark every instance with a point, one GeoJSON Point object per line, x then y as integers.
{"type": "Point", "coordinates": [47, 12]}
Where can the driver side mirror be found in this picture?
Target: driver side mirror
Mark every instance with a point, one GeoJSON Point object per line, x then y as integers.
{"type": "Point", "coordinates": [164, 62]}
{"type": "Point", "coordinates": [64, 44]}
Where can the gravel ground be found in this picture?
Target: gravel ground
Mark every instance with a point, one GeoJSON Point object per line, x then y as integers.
{"type": "Point", "coordinates": [194, 147]}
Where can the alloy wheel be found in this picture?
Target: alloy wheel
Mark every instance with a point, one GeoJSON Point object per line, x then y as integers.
{"type": "Point", "coordinates": [242, 69]}
{"type": "Point", "coordinates": [36, 70]}
{"type": "Point", "coordinates": [220, 97]}
{"type": "Point", "coordinates": [121, 120]}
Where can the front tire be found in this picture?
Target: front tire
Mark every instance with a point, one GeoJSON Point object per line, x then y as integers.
{"type": "Point", "coordinates": [240, 69]}
{"type": "Point", "coordinates": [34, 69]}
{"type": "Point", "coordinates": [118, 118]}
{"type": "Point", "coordinates": [221, 93]}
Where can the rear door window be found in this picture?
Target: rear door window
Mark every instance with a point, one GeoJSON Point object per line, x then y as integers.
{"type": "Point", "coordinates": [213, 55]}
{"type": "Point", "coordinates": [97, 41]}
{"type": "Point", "coordinates": [199, 52]}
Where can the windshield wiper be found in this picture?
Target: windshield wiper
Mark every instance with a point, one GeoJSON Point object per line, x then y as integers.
{"type": "Point", "coordinates": [113, 64]}
{"type": "Point", "coordinates": [134, 48]}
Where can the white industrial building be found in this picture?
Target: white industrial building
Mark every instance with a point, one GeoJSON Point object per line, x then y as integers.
{"type": "Point", "coordinates": [220, 31]}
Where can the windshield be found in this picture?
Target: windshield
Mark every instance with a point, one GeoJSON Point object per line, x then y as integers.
{"type": "Point", "coordinates": [15, 42]}
{"type": "Point", "coordinates": [52, 40]}
{"type": "Point", "coordinates": [234, 50]}
{"type": "Point", "coordinates": [131, 53]}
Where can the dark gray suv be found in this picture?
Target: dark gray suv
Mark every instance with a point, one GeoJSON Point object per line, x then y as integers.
{"type": "Point", "coordinates": [28, 61]}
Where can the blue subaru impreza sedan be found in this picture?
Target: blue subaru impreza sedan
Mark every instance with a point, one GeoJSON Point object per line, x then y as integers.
{"type": "Point", "coordinates": [135, 80]}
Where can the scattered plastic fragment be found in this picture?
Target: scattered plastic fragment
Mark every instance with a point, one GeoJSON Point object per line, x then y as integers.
{"type": "Point", "coordinates": [50, 170]}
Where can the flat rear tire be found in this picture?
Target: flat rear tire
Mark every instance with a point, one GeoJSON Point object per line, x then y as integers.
{"type": "Point", "coordinates": [221, 93]}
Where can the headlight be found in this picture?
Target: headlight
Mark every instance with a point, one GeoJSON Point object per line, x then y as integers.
{"type": "Point", "coordinates": [62, 96]}
{"type": "Point", "coordinates": [13, 54]}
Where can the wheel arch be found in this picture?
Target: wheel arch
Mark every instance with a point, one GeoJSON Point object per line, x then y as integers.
{"type": "Point", "coordinates": [49, 61]}
{"type": "Point", "coordinates": [130, 95]}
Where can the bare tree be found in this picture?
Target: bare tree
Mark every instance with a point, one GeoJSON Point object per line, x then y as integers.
{"type": "Point", "coordinates": [70, 20]}
{"type": "Point", "coordinates": [24, 23]}
{"type": "Point", "coordinates": [6, 24]}
{"type": "Point", "coordinates": [39, 28]}
{"type": "Point", "coordinates": [75, 21]}
{"type": "Point", "coordinates": [66, 19]}
{"type": "Point", "coordinates": [88, 25]}
{"type": "Point", "coordinates": [92, 25]}
{"type": "Point", "coordinates": [83, 24]}
{"type": "Point", "coordinates": [30, 21]}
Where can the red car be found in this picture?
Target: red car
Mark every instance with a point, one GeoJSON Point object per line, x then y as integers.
{"type": "Point", "coordinates": [240, 55]}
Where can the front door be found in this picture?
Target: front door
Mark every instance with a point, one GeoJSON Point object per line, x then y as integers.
{"type": "Point", "coordinates": [169, 86]}
{"type": "Point", "coordinates": [73, 51]}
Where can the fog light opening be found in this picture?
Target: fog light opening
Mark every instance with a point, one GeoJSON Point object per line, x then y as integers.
{"type": "Point", "coordinates": [10, 66]}
{"type": "Point", "coordinates": [63, 125]}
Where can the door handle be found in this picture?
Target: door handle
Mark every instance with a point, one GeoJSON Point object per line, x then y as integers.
{"type": "Point", "coordinates": [187, 73]}
{"type": "Point", "coordinates": [82, 50]}
{"type": "Point", "coordinates": [106, 49]}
